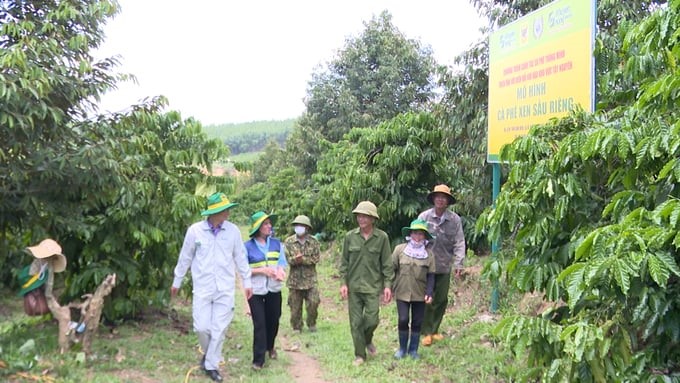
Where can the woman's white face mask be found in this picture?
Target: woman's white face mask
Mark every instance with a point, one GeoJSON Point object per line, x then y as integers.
{"type": "Point", "coordinates": [300, 230]}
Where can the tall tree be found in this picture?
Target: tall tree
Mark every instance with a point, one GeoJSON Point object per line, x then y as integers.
{"type": "Point", "coordinates": [392, 164]}
{"type": "Point", "coordinates": [115, 190]}
{"type": "Point", "coordinates": [376, 76]}
{"type": "Point", "coordinates": [48, 82]}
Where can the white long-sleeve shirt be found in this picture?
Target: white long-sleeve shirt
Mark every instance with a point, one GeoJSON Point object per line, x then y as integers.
{"type": "Point", "coordinates": [214, 259]}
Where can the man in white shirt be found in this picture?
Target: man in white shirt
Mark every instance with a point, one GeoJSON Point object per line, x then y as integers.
{"type": "Point", "coordinates": [214, 250]}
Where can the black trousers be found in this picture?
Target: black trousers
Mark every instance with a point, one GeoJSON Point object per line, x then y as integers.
{"type": "Point", "coordinates": [417, 313]}
{"type": "Point", "coordinates": [265, 310]}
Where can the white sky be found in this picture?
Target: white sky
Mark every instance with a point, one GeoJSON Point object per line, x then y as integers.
{"type": "Point", "coordinates": [224, 61]}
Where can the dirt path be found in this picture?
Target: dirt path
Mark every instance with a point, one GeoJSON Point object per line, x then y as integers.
{"type": "Point", "coordinates": [303, 368]}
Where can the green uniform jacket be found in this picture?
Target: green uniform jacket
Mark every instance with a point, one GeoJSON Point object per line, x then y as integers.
{"type": "Point", "coordinates": [302, 274]}
{"type": "Point", "coordinates": [366, 266]}
{"type": "Point", "coordinates": [410, 277]}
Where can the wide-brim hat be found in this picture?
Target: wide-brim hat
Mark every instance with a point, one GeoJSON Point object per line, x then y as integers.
{"type": "Point", "coordinates": [442, 189]}
{"type": "Point", "coordinates": [417, 224]}
{"type": "Point", "coordinates": [302, 220]}
{"type": "Point", "coordinates": [49, 248]}
{"type": "Point", "coordinates": [257, 219]}
{"type": "Point", "coordinates": [30, 282]}
{"type": "Point", "coordinates": [367, 208]}
{"type": "Point", "coordinates": [218, 202]}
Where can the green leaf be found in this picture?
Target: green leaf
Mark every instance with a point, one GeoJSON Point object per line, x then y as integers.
{"type": "Point", "coordinates": [80, 358]}
{"type": "Point", "coordinates": [585, 247]}
{"type": "Point", "coordinates": [572, 277]}
{"type": "Point", "coordinates": [668, 262]}
{"type": "Point", "coordinates": [657, 270]}
{"type": "Point", "coordinates": [622, 273]}
{"type": "Point", "coordinates": [28, 347]}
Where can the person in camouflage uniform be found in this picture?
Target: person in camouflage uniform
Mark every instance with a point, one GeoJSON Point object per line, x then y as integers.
{"type": "Point", "coordinates": [303, 253]}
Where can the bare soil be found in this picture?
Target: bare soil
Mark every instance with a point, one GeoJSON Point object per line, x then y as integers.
{"type": "Point", "coordinates": [303, 368]}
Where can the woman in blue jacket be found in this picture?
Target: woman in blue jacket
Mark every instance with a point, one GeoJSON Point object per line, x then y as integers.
{"type": "Point", "coordinates": [268, 263]}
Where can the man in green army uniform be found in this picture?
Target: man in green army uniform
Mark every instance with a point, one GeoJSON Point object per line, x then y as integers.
{"type": "Point", "coordinates": [366, 271]}
{"type": "Point", "coordinates": [303, 253]}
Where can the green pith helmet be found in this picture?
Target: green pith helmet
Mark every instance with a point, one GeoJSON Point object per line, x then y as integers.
{"type": "Point", "coordinates": [368, 208]}
{"type": "Point", "coordinates": [416, 224]}
{"type": "Point", "coordinates": [302, 220]}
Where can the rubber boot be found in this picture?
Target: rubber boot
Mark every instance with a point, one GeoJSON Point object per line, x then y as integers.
{"type": "Point", "coordinates": [403, 342]}
{"type": "Point", "coordinates": [413, 345]}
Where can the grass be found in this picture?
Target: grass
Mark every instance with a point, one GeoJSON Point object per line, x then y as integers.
{"type": "Point", "coordinates": [161, 346]}
{"type": "Point", "coordinates": [245, 157]}
{"type": "Point", "coordinates": [468, 354]}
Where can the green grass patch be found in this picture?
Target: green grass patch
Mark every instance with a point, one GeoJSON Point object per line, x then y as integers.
{"type": "Point", "coordinates": [224, 131]}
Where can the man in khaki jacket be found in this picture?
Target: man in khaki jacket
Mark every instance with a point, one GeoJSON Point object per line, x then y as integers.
{"type": "Point", "coordinates": [449, 252]}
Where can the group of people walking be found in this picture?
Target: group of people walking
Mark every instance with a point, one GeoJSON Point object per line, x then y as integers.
{"type": "Point", "coordinates": [214, 251]}
{"type": "Point", "coordinates": [416, 273]}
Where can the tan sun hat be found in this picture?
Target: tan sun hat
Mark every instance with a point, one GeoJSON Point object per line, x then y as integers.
{"type": "Point", "coordinates": [368, 208]}
{"type": "Point", "coordinates": [442, 189]}
{"type": "Point", "coordinates": [48, 248]}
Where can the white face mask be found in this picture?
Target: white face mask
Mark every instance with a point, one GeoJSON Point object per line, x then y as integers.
{"type": "Point", "coordinates": [300, 230]}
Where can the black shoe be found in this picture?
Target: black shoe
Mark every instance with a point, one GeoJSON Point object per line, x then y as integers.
{"type": "Point", "coordinates": [214, 375]}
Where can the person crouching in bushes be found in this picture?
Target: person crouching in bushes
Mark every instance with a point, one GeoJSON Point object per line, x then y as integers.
{"type": "Point", "coordinates": [267, 261]}
{"type": "Point", "coordinates": [412, 285]}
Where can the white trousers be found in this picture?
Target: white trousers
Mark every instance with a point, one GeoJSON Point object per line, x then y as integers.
{"type": "Point", "coordinates": [212, 316]}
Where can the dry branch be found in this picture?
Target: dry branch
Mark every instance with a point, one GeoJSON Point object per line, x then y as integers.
{"type": "Point", "coordinates": [90, 313]}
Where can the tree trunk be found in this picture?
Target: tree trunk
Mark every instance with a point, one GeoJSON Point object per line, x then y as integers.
{"type": "Point", "coordinates": [90, 312]}
{"type": "Point", "coordinates": [61, 314]}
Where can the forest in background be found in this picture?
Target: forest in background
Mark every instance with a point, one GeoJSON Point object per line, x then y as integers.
{"type": "Point", "coordinates": [250, 137]}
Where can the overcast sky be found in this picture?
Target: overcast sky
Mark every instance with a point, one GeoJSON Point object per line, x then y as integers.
{"type": "Point", "coordinates": [224, 61]}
